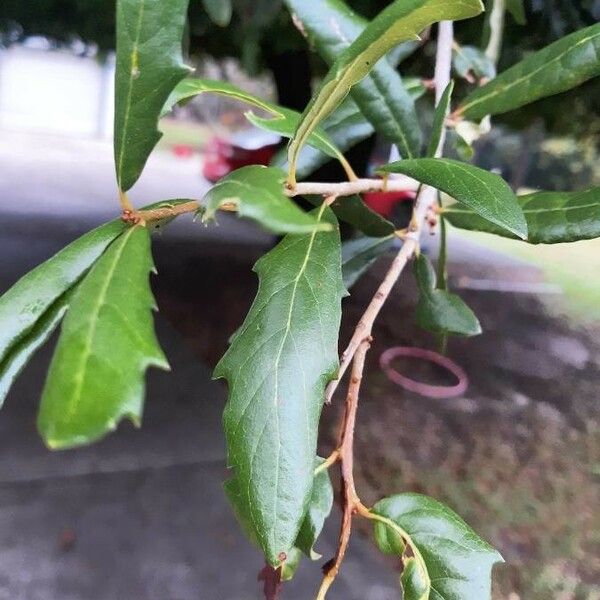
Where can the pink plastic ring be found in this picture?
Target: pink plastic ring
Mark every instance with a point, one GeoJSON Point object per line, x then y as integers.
{"type": "Point", "coordinates": [424, 389]}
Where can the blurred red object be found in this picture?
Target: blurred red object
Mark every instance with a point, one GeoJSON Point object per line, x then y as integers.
{"type": "Point", "coordinates": [183, 150]}
{"type": "Point", "coordinates": [384, 203]}
{"type": "Point", "coordinates": [244, 148]}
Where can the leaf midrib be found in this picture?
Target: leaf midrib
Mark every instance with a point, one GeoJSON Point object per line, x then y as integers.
{"type": "Point", "coordinates": [278, 358]}
{"type": "Point", "coordinates": [93, 320]}
{"type": "Point", "coordinates": [523, 78]}
{"type": "Point", "coordinates": [532, 211]}
{"type": "Point", "coordinates": [382, 91]}
{"type": "Point", "coordinates": [134, 53]}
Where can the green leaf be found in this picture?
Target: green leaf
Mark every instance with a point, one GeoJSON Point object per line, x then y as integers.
{"type": "Point", "coordinates": [439, 120]}
{"type": "Point", "coordinates": [517, 10]}
{"type": "Point", "coordinates": [291, 564]}
{"type": "Point", "coordinates": [319, 508]}
{"type": "Point", "coordinates": [552, 217]}
{"type": "Point", "coordinates": [440, 311]}
{"type": "Point", "coordinates": [471, 63]}
{"type": "Point", "coordinates": [388, 540]}
{"type": "Point", "coordinates": [401, 21]}
{"type": "Point", "coordinates": [284, 123]}
{"type": "Point", "coordinates": [484, 192]}
{"type": "Point", "coordinates": [450, 561]}
{"type": "Point", "coordinates": [561, 66]}
{"type": "Point", "coordinates": [359, 254]}
{"type": "Point", "coordinates": [414, 581]}
{"type": "Point", "coordinates": [219, 11]}
{"type": "Point", "coordinates": [277, 367]}
{"type": "Point", "coordinates": [346, 127]}
{"type": "Point", "coordinates": [285, 127]}
{"type": "Point", "coordinates": [33, 307]}
{"type": "Point", "coordinates": [149, 65]}
{"type": "Point", "coordinates": [353, 210]}
{"type": "Point", "coordinates": [257, 193]}
{"type": "Point", "coordinates": [21, 352]}
{"type": "Point", "coordinates": [106, 343]}
{"type": "Point", "coordinates": [33, 295]}
{"type": "Point", "coordinates": [331, 27]}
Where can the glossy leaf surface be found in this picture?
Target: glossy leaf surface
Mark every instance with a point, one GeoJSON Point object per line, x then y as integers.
{"type": "Point", "coordinates": [552, 217]}
{"type": "Point", "coordinates": [149, 65]}
{"type": "Point", "coordinates": [107, 342]}
{"type": "Point", "coordinates": [277, 367]}
{"type": "Point", "coordinates": [484, 192]}
{"type": "Point", "coordinates": [401, 21]}
{"type": "Point", "coordinates": [561, 66]}
{"type": "Point", "coordinates": [440, 311]}
{"type": "Point", "coordinates": [359, 254]}
{"type": "Point", "coordinates": [20, 353]}
{"type": "Point", "coordinates": [451, 562]}
{"type": "Point", "coordinates": [28, 300]}
{"type": "Point", "coordinates": [331, 26]}
{"type": "Point", "coordinates": [257, 193]}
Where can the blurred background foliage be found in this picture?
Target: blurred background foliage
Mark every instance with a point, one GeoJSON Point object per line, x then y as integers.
{"type": "Point", "coordinates": [261, 35]}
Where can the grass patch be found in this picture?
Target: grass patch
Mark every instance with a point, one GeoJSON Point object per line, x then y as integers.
{"type": "Point", "coordinates": [575, 267]}
{"type": "Point", "coordinates": [177, 132]}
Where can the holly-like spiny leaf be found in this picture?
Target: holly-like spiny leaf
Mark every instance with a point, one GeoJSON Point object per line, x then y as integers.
{"type": "Point", "coordinates": [257, 193]}
{"type": "Point", "coordinates": [359, 254]}
{"type": "Point", "coordinates": [284, 121]}
{"type": "Point", "coordinates": [401, 21]}
{"type": "Point", "coordinates": [28, 300]}
{"type": "Point", "coordinates": [552, 217]}
{"type": "Point", "coordinates": [331, 26]}
{"type": "Point", "coordinates": [32, 308]}
{"type": "Point", "coordinates": [440, 311]}
{"type": "Point", "coordinates": [557, 68]}
{"type": "Point", "coordinates": [107, 341]}
{"type": "Point", "coordinates": [277, 367]}
{"type": "Point", "coordinates": [484, 192]}
{"type": "Point", "coordinates": [149, 65]}
{"type": "Point", "coordinates": [450, 561]}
